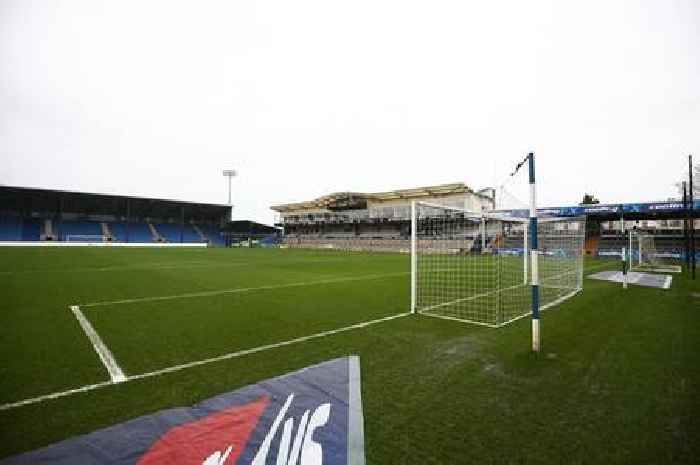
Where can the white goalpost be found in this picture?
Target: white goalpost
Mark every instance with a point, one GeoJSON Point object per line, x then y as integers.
{"type": "Point", "coordinates": [491, 268]}
{"type": "Point", "coordinates": [474, 267]}
{"type": "Point", "coordinates": [85, 238]}
{"type": "Point", "coordinates": [644, 256]}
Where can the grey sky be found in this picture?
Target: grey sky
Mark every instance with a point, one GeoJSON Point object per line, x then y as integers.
{"type": "Point", "coordinates": [309, 97]}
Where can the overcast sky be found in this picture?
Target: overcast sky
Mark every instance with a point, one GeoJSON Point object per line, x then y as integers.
{"type": "Point", "coordinates": [308, 97]}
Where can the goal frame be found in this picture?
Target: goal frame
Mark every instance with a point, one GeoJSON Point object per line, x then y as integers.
{"type": "Point", "coordinates": [530, 260]}
{"type": "Point", "coordinates": [637, 252]}
{"type": "Point", "coordinates": [571, 276]}
{"type": "Point", "coordinates": [86, 238]}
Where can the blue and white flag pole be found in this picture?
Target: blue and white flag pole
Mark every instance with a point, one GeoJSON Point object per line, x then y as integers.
{"type": "Point", "coordinates": [534, 272]}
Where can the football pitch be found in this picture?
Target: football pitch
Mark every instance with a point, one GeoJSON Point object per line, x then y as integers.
{"type": "Point", "coordinates": [95, 336]}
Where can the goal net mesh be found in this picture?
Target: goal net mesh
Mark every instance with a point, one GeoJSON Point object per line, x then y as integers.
{"type": "Point", "coordinates": [644, 255]}
{"type": "Point", "coordinates": [85, 238]}
{"type": "Point", "coordinates": [476, 269]}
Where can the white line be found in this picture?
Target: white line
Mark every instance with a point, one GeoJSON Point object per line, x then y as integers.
{"type": "Point", "coordinates": [267, 347]}
{"type": "Point", "coordinates": [162, 266]}
{"type": "Point", "coordinates": [240, 289]}
{"type": "Point", "coordinates": [54, 395]}
{"type": "Point", "coordinates": [471, 297]}
{"type": "Point", "coordinates": [500, 325]}
{"type": "Point", "coordinates": [461, 320]}
{"type": "Point", "coordinates": [516, 318]}
{"type": "Point", "coordinates": [544, 307]}
{"type": "Point", "coordinates": [495, 291]}
{"type": "Point", "coordinates": [115, 372]}
{"type": "Point", "coordinates": [658, 269]}
{"type": "Point", "coordinates": [560, 299]}
{"type": "Point", "coordinates": [184, 366]}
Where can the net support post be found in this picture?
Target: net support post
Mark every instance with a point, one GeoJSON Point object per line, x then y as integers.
{"type": "Point", "coordinates": [525, 254]}
{"type": "Point", "coordinates": [691, 198]}
{"type": "Point", "coordinates": [686, 222]}
{"type": "Point", "coordinates": [639, 246]}
{"type": "Point", "coordinates": [483, 230]}
{"type": "Point", "coordinates": [414, 258]}
{"type": "Point", "coordinates": [631, 250]}
{"type": "Point", "coordinates": [624, 267]}
{"type": "Point", "coordinates": [534, 254]}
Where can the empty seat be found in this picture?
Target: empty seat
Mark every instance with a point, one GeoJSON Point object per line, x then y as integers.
{"type": "Point", "coordinates": [67, 229]}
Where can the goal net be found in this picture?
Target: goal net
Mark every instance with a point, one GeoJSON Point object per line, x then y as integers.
{"type": "Point", "coordinates": [475, 268]}
{"type": "Point", "coordinates": [645, 256]}
{"type": "Point", "coordinates": [85, 238]}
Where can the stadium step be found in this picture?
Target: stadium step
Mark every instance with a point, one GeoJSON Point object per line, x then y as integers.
{"type": "Point", "coordinates": [154, 232]}
{"type": "Point", "coordinates": [105, 230]}
{"type": "Point", "coordinates": [201, 234]}
{"type": "Point", "coordinates": [48, 230]}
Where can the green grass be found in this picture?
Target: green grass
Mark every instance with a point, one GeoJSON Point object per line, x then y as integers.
{"type": "Point", "coordinates": [617, 381]}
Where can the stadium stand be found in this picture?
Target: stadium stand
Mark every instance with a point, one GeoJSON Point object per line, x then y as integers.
{"type": "Point", "coordinates": [199, 233]}
{"type": "Point", "coordinates": [611, 245]}
{"type": "Point", "coordinates": [212, 234]}
{"type": "Point", "coordinates": [271, 240]}
{"type": "Point", "coordinates": [118, 230]}
{"type": "Point", "coordinates": [47, 215]}
{"type": "Point", "coordinates": [171, 232]}
{"type": "Point", "coordinates": [16, 228]}
{"type": "Point", "coordinates": [131, 232]}
{"type": "Point", "coordinates": [47, 234]}
{"type": "Point", "coordinates": [381, 221]}
{"type": "Point", "coordinates": [31, 229]}
{"type": "Point", "coordinates": [190, 234]}
{"type": "Point", "coordinates": [69, 229]}
{"type": "Point", "coordinates": [10, 228]}
{"type": "Point", "coordinates": [155, 235]}
{"type": "Point", "coordinates": [368, 222]}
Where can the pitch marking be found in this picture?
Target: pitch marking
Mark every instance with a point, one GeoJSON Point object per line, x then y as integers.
{"type": "Point", "coordinates": [238, 290]}
{"type": "Point", "coordinates": [115, 372]}
{"type": "Point", "coordinates": [230, 355]}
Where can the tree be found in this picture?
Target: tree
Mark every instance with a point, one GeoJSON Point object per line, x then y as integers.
{"type": "Point", "coordinates": [589, 199]}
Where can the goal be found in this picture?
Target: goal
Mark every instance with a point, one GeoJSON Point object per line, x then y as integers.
{"type": "Point", "coordinates": [475, 267]}
{"type": "Point", "coordinates": [85, 238]}
{"type": "Point", "coordinates": [644, 256]}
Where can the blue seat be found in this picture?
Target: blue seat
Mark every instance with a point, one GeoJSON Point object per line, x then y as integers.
{"type": "Point", "coordinates": [137, 231]}
{"type": "Point", "coordinates": [10, 228]}
{"type": "Point", "coordinates": [31, 229]}
{"type": "Point", "coordinates": [66, 228]}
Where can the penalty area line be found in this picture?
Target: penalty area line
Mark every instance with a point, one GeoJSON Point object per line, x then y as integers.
{"type": "Point", "coordinates": [115, 372]}
{"type": "Point", "coordinates": [242, 289]}
{"type": "Point", "coordinates": [230, 355]}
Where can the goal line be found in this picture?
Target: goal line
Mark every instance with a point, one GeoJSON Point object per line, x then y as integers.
{"type": "Point", "coordinates": [427, 311]}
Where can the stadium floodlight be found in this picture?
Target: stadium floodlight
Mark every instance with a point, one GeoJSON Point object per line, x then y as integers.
{"type": "Point", "coordinates": [230, 174]}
